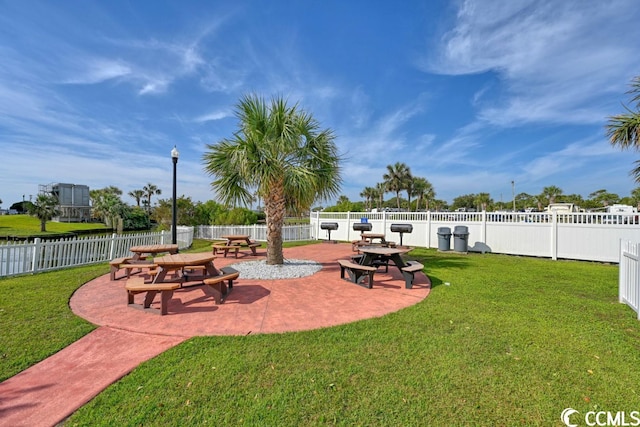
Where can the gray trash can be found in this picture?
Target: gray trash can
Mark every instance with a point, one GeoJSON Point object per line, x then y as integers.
{"type": "Point", "coordinates": [460, 238]}
{"type": "Point", "coordinates": [444, 238]}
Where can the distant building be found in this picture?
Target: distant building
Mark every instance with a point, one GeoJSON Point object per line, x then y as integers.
{"type": "Point", "coordinates": [74, 202]}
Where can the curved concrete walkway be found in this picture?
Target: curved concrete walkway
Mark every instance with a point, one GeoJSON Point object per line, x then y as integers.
{"type": "Point", "coordinates": [50, 391]}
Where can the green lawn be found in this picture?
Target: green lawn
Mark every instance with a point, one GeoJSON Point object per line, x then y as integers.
{"type": "Point", "coordinates": [511, 341]}
{"type": "Point", "coordinates": [26, 225]}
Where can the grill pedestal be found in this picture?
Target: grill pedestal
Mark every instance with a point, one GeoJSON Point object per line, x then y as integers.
{"type": "Point", "coordinates": [329, 226]}
{"type": "Point", "coordinates": [401, 228]}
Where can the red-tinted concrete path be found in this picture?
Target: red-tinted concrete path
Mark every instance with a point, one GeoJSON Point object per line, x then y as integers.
{"type": "Point", "coordinates": [50, 391]}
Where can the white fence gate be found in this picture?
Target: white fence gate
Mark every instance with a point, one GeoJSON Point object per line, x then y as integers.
{"type": "Point", "coordinates": [629, 271]}
{"type": "Point", "coordinates": [44, 255]}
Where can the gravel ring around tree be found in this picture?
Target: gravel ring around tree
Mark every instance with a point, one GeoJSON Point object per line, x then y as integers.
{"type": "Point", "coordinates": [291, 269]}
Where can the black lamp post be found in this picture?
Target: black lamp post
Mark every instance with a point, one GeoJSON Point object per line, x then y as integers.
{"type": "Point", "coordinates": [174, 210]}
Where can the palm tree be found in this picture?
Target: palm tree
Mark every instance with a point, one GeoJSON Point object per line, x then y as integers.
{"type": "Point", "coordinates": [396, 178]}
{"type": "Point", "coordinates": [550, 193]}
{"type": "Point", "coordinates": [138, 195]}
{"type": "Point", "coordinates": [408, 185]}
{"type": "Point", "coordinates": [369, 194]}
{"type": "Point", "coordinates": [482, 200]}
{"type": "Point", "coordinates": [44, 208]}
{"type": "Point", "coordinates": [624, 129]}
{"type": "Point", "coordinates": [150, 190]}
{"type": "Point", "coordinates": [635, 195]}
{"type": "Point", "coordinates": [279, 152]}
{"type": "Point", "coordinates": [381, 188]}
{"type": "Point", "coordinates": [106, 205]}
{"type": "Point", "coordinates": [423, 190]}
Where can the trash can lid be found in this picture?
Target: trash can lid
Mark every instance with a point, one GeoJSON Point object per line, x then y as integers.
{"type": "Point", "coordinates": [461, 229]}
{"type": "Point", "coordinates": [444, 230]}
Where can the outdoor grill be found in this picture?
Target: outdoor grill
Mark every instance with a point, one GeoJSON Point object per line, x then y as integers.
{"type": "Point", "coordinates": [329, 226]}
{"type": "Point", "coordinates": [362, 226]}
{"type": "Point", "coordinates": [401, 228]}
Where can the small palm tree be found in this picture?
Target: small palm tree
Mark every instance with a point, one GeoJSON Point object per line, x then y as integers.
{"type": "Point", "coordinates": [551, 193]}
{"type": "Point", "coordinates": [423, 190]}
{"type": "Point", "coordinates": [623, 130]}
{"type": "Point", "coordinates": [482, 200]}
{"type": "Point", "coordinates": [381, 188]}
{"type": "Point", "coordinates": [280, 154]}
{"type": "Point", "coordinates": [137, 195]}
{"type": "Point", "coordinates": [396, 179]}
{"type": "Point", "coordinates": [369, 194]}
{"type": "Point", "coordinates": [150, 190]}
{"type": "Point", "coordinates": [44, 208]}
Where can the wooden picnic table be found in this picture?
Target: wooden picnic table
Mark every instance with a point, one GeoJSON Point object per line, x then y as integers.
{"type": "Point", "coordinates": [235, 242]}
{"type": "Point", "coordinates": [369, 239]}
{"type": "Point", "coordinates": [141, 250]}
{"type": "Point", "coordinates": [179, 262]}
{"type": "Point", "coordinates": [376, 255]}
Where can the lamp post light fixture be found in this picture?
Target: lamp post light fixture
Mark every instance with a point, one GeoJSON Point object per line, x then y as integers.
{"type": "Point", "coordinates": [174, 211]}
{"type": "Point", "coordinates": [513, 193]}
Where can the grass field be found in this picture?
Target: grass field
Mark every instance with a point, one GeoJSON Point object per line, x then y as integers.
{"type": "Point", "coordinates": [511, 341]}
{"type": "Point", "coordinates": [26, 225]}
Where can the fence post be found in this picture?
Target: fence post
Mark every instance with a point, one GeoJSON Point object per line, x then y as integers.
{"type": "Point", "coordinates": [636, 275]}
{"type": "Point", "coordinates": [483, 237]}
{"type": "Point", "coordinates": [554, 235]}
{"type": "Point", "coordinates": [112, 246]}
{"type": "Point", "coordinates": [621, 267]}
{"type": "Point", "coordinates": [428, 237]}
{"type": "Point", "coordinates": [384, 221]}
{"type": "Point", "coordinates": [35, 258]}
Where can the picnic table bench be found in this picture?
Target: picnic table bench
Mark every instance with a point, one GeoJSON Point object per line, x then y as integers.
{"type": "Point", "coordinates": [216, 285]}
{"type": "Point", "coordinates": [409, 271]}
{"type": "Point", "coordinates": [357, 273]}
{"type": "Point", "coordinates": [137, 285]}
{"type": "Point", "coordinates": [235, 243]}
{"type": "Point", "coordinates": [128, 264]}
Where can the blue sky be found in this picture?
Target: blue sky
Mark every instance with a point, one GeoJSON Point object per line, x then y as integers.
{"type": "Point", "coordinates": [469, 94]}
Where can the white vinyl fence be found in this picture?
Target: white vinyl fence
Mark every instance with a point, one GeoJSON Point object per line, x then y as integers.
{"type": "Point", "coordinates": [579, 236]}
{"type": "Point", "coordinates": [629, 280]}
{"type": "Point", "coordinates": [44, 255]}
{"type": "Point", "coordinates": [258, 232]}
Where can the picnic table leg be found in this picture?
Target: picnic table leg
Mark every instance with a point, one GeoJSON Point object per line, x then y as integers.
{"type": "Point", "coordinates": [217, 291]}
{"type": "Point", "coordinates": [408, 279]}
{"type": "Point", "coordinates": [211, 269]}
{"type": "Point", "coordinates": [148, 299]}
{"type": "Point", "coordinates": [160, 276]}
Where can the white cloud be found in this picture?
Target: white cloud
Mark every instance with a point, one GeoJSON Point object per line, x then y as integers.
{"type": "Point", "coordinates": [98, 70]}
{"type": "Point", "coordinates": [213, 116]}
{"type": "Point", "coordinates": [556, 60]}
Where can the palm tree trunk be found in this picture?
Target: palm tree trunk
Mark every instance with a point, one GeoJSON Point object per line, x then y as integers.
{"type": "Point", "coordinates": [275, 210]}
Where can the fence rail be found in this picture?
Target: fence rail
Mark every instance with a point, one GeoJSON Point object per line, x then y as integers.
{"type": "Point", "coordinates": [258, 232]}
{"type": "Point", "coordinates": [45, 255]}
